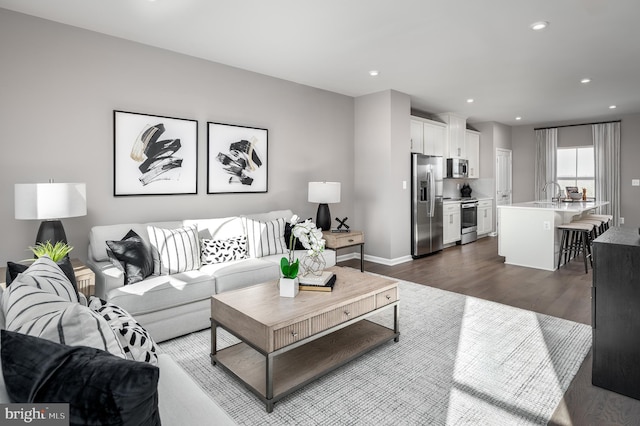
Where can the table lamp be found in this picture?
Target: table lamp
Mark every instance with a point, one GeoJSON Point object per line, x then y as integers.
{"type": "Point", "coordinates": [324, 193]}
{"type": "Point", "coordinates": [50, 202]}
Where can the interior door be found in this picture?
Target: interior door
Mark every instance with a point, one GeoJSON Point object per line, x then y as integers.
{"type": "Point", "coordinates": [503, 179]}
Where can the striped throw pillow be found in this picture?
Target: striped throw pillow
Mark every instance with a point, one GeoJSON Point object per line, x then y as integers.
{"type": "Point", "coordinates": [38, 313]}
{"type": "Point", "coordinates": [265, 238]}
{"type": "Point", "coordinates": [174, 250]}
{"type": "Point", "coordinates": [46, 275]}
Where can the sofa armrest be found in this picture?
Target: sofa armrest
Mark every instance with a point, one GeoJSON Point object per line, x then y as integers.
{"type": "Point", "coordinates": [108, 277]}
{"type": "Point", "coordinates": [182, 402]}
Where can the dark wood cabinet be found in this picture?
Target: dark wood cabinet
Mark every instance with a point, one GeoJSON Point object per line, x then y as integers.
{"type": "Point", "coordinates": [616, 311]}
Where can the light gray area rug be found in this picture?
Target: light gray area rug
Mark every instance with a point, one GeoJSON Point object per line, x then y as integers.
{"type": "Point", "coordinates": [460, 360]}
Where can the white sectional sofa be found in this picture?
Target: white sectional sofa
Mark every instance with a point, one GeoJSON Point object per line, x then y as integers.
{"type": "Point", "coordinates": [172, 305]}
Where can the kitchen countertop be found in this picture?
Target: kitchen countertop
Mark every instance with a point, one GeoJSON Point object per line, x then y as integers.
{"type": "Point", "coordinates": [573, 206]}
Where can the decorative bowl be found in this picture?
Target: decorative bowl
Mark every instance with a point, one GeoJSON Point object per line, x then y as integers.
{"type": "Point", "coordinates": [575, 196]}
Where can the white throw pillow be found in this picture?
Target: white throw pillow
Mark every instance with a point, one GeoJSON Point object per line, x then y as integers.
{"type": "Point", "coordinates": [134, 339]}
{"type": "Point", "coordinates": [220, 251]}
{"type": "Point", "coordinates": [174, 250]}
{"type": "Point", "coordinates": [36, 312]}
{"type": "Point", "coordinates": [265, 238]}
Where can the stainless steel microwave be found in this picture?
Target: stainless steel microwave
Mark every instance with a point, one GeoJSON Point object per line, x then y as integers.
{"type": "Point", "coordinates": [457, 168]}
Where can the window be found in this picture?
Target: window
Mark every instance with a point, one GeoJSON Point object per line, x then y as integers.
{"type": "Point", "coordinates": [576, 167]}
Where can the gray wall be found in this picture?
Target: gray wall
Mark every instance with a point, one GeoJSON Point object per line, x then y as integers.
{"type": "Point", "coordinates": [523, 138]}
{"type": "Point", "coordinates": [60, 85]}
{"type": "Point", "coordinates": [382, 163]}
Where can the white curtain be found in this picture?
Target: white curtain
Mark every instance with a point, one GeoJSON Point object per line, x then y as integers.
{"type": "Point", "coordinates": [606, 147]}
{"type": "Point", "coordinates": [546, 147]}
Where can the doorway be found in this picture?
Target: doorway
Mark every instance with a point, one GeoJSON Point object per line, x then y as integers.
{"type": "Point", "coordinates": [503, 179]}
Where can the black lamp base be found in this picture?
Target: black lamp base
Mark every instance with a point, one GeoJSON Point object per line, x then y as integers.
{"type": "Point", "coordinates": [323, 217]}
{"type": "Point", "coordinates": [52, 231]}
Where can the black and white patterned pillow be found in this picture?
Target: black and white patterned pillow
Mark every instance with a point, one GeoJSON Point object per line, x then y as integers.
{"type": "Point", "coordinates": [265, 238]}
{"type": "Point", "coordinates": [174, 250]}
{"type": "Point", "coordinates": [220, 251]}
{"type": "Point", "coordinates": [45, 274]}
{"type": "Point", "coordinates": [38, 313]}
{"type": "Point", "coordinates": [136, 342]}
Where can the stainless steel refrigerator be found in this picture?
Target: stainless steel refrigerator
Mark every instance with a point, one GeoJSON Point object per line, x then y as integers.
{"type": "Point", "coordinates": [426, 204]}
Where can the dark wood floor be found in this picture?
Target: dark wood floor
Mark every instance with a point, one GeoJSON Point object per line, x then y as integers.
{"type": "Point", "coordinates": [477, 270]}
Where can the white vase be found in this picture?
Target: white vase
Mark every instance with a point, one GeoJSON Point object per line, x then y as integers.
{"type": "Point", "coordinates": [289, 287]}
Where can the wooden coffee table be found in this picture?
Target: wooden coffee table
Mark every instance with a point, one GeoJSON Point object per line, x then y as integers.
{"type": "Point", "coordinates": [287, 343]}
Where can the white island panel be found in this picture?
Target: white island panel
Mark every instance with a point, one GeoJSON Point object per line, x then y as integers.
{"type": "Point", "coordinates": [528, 234]}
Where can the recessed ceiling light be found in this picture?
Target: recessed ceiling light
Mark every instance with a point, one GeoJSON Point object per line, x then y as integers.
{"type": "Point", "coordinates": [374, 73]}
{"type": "Point", "coordinates": [612, 107]}
{"type": "Point", "coordinates": [585, 80]}
{"type": "Point", "coordinates": [540, 25]}
{"type": "Point", "coordinates": [470, 101]}
{"type": "Point", "coordinates": [518, 118]}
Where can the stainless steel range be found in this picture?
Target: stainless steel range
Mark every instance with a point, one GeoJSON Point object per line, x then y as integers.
{"type": "Point", "coordinates": [468, 220]}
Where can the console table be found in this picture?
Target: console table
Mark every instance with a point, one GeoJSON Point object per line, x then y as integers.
{"type": "Point", "coordinates": [616, 311]}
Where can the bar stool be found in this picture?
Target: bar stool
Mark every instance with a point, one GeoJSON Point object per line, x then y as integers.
{"type": "Point", "coordinates": [606, 218]}
{"type": "Point", "coordinates": [599, 224]}
{"type": "Point", "coordinates": [576, 239]}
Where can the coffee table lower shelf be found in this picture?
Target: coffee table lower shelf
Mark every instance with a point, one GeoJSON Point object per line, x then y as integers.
{"type": "Point", "coordinates": [299, 366]}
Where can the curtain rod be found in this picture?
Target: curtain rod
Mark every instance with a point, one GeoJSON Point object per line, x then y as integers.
{"type": "Point", "coordinates": [573, 125]}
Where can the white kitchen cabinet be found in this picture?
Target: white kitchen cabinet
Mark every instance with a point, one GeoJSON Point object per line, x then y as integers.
{"type": "Point", "coordinates": [451, 223]}
{"type": "Point", "coordinates": [485, 216]}
{"type": "Point", "coordinates": [417, 136]}
{"type": "Point", "coordinates": [428, 137]}
{"type": "Point", "coordinates": [472, 149]}
{"type": "Point", "coordinates": [456, 130]}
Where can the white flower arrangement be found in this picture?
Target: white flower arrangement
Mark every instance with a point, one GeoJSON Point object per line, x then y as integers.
{"type": "Point", "coordinates": [311, 238]}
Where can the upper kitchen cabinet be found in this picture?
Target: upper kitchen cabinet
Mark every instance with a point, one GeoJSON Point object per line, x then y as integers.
{"type": "Point", "coordinates": [472, 148]}
{"type": "Point", "coordinates": [455, 141]}
{"type": "Point", "coordinates": [428, 137]}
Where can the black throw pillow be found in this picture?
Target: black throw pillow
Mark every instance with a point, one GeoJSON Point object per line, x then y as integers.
{"type": "Point", "coordinates": [99, 387]}
{"type": "Point", "coordinates": [14, 269]}
{"type": "Point", "coordinates": [134, 257]}
{"type": "Point", "coordinates": [287, 235]}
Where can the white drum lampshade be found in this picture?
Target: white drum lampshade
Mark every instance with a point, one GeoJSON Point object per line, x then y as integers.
{"type": "Point", "coordinates": [324, 193]}
{"type": "Point", "coordinates": [50, 202]}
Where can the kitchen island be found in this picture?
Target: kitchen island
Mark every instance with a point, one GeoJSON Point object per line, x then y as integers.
{"type": "Point", "coordinates": [528, 234]}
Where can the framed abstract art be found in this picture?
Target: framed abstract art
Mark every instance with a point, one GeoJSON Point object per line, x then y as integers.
{"type": "Point", "coordinates": [237, 159]}
{"type": "Point", "coordinates": [154, 155]}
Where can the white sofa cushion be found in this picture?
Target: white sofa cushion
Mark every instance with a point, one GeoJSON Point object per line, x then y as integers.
{"type": "Point", "coordinates": [218, 228]}
{"type": "Point", "coordinates": [182, 402]}
{"type": "Point", "coordinates": [162, 292]}
{"type": "Point", "coordinates": [241, 273]}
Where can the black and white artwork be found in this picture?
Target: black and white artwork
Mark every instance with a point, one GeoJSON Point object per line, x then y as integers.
{"type": "Point", "coordinates": [154, 155]}
{"type": "Point", "coordinates": [236, 158]}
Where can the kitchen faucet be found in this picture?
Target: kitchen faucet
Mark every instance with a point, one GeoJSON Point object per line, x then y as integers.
{"type": "Point", "coordinates": [558, 194]}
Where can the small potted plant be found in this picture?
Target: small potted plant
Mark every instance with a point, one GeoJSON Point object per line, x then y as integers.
{"type": "Point", "coordinates": [311, 238]}
{"type": "Point", "coordinates": [59, 253]}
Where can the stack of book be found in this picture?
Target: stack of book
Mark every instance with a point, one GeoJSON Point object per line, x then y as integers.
{"type": "Point", "coordinates": [322, 282]}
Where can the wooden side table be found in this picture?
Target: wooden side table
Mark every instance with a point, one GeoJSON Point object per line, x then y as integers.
{"type": "Point", "coordinates": [339, 240]}
{"type": "Point", "coordinates": [85, 278]}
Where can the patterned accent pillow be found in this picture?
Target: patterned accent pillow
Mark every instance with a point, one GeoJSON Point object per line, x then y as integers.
{"type": "Point", "coordinates": [135, 340]}
{"type": "Point", "coordinates": [174, 250]}
{"type": "Point", "coordinates": [265, 238]}
{"type": "Point", "coordinates": [45, 274]}
{"type": "Point", "coordinates": [220, 251]}
{"type": "Point", "coordinates": [38, 313]}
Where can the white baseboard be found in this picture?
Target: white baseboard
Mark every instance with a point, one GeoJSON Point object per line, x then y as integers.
{"type": "Point", "coordinates": [375, 259]}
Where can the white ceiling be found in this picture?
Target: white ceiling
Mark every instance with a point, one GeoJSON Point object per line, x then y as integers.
{"type": "Point", "coordinates": [440, 52]}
